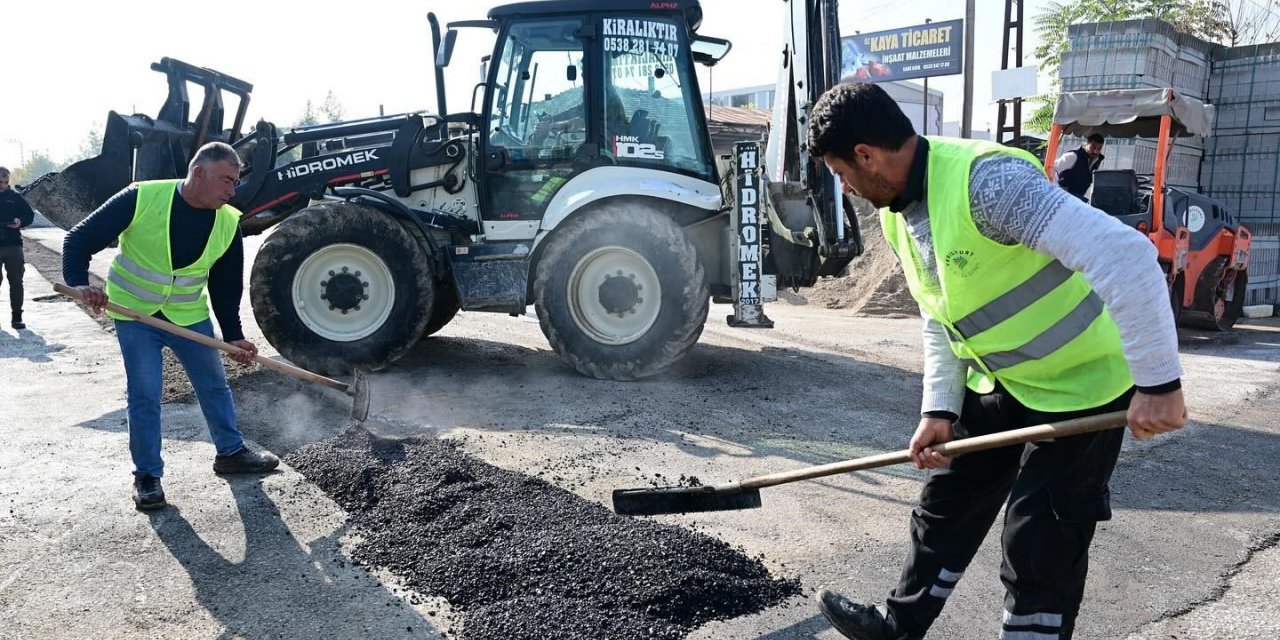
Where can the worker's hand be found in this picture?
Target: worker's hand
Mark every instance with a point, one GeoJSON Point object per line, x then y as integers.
{"type": "Point", "coordinates": [94, 297]}
{"type": "Point", "coordinates": [1150, 415]}
{"type": "Point", "coordinates": [16, 224]}
{"type": "Point", "coordinates": [247, 351]}
{"type": "Point", "coordinates": [930, 432]}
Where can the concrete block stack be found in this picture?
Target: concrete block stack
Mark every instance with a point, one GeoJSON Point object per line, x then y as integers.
{"type": "Point", "coordinates": [1242, 160]}
{"type": "Point", "coordinates": [1133, 54]}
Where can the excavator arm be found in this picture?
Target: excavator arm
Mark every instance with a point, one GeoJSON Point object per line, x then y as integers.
{"type": "Point", "coordinates": [810, 233]}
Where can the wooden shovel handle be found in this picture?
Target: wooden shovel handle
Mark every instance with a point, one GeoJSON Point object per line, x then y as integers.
{"type": "Point", "coordinates": [275, 365]}
{"type": "Point", "coordinates": [1064, 429]}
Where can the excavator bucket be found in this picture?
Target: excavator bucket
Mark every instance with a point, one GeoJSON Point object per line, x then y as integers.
{"type": "Point", "coordinates": [139, 147]}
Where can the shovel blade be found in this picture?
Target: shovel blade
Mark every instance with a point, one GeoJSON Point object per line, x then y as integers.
{"type": "Point", "coordinates": [359, 391]}
{"type": "Point", "coordinates": [651, 502]}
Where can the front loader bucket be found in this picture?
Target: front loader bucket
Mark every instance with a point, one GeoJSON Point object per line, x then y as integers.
{"type": "Point", "coordinates": [139, 147]}
{"type": "Point", "coordinates": [67, 196]}
{"type": "Point", "coordinates": [133, 148]}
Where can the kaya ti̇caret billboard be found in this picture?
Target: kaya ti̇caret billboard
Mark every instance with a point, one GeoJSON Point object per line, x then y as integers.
{"type": "Point", "coordinates": [899, 54]}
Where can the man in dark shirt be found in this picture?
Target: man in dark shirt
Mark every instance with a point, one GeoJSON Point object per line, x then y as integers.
{"type": "Point", "coordinates": [15, 214]}
{"type": "Point", "coordinates": [176, 238]}
{"type": "Point", "coordinates": [1075, 168]}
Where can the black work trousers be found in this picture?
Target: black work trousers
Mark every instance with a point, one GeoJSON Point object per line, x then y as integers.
{"type": "Point", "coordinates": [1056, 492]}
{"type": "Point", "coordinates": [12, 264]}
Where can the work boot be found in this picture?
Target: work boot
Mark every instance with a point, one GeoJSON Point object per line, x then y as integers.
{"type": "Point", "coordinates": [17, 320]}
{"type": "Point", "coordinates": [856, 621]}
{"type": "Point", "coordinates": [148, 495]}
{"type": "Point", "coordinates": [245, 460]}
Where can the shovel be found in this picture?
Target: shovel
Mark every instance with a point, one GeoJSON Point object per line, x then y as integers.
{"type": "Point", "coordinates": [358, 389]}
{"type": "Point", "coordinates": [745, 494]}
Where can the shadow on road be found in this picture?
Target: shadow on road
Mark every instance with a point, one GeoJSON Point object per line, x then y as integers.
{"type": "Point", "coordinates": [282, 589]}
{"type": "Point", "coordinates": [27, 345]}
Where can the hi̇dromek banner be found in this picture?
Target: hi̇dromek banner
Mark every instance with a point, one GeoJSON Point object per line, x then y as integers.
{"type": "Point", "coordinates": [934, 49]}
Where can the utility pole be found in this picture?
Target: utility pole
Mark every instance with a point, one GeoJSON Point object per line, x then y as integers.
{"type": "Point", "coordinates": [1012, 25]}
{"type": "Point", "coordinates": [924, 122]}
{"type": "Point", "coordinates": [22, 151]}
{"type": "Point", "coordinates": [965, 129]}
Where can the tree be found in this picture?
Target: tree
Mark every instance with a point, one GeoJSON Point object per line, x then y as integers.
{"type": "Point", "coordinates": [331, 107]}
{"type": "Point", "coordinates": [38, 163]}
{"type": "Point", "coordinates": [308, 116]}
{"type": "Point", "coordinates": [1241, 22]}
{"type": "Point", "coordinates": [1230, 22]}
{"type": "Point", "coordinates": [91, 145]}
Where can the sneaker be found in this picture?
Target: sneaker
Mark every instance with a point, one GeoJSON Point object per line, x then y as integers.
{"type": "Point", "coordinates": [856, 621]}
{"type": "Point", "coordinates": [17, 320]}
{"type": "Point", "coordinates": [148, 495]}
{"type": "Point", "coordinates": [246, 460]}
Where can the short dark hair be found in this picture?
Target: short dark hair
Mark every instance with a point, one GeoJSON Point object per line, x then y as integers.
{"type": "Point", "coordinates": [1096, 137]}
{"type": "Point", "coordinates": [214, 152]}
{"type": "Point", "coordinates": [851, 114]}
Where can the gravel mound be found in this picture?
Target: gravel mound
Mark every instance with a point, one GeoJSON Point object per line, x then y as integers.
{"type": "Point", "coordinates": [873, 284]}
{"type": "Point", "coordinates": [521, 558]}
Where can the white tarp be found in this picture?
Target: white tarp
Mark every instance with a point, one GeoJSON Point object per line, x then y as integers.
{"type": "Point", "coordinates": [1131, 112]}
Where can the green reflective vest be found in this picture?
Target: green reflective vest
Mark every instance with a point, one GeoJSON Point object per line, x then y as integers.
{"type": "Point", "coordinates": [142, 277]}
{"type": "Point", "coordinates": [1012, 315]}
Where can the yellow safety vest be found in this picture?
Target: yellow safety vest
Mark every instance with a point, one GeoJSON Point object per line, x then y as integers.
{"type": "Point", "coordinates": [1013, 315]}
{"type": "Point", "coordinates": [142, 277]}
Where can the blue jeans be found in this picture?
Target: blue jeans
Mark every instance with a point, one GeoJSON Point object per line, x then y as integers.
{"type": "Point", "coordinates": [141, 346]}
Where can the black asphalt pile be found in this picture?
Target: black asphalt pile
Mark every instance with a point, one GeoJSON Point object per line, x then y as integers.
{"type": "Point", "coordinates": [520, 558]}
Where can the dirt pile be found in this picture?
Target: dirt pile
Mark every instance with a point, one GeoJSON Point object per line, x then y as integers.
{"type": "Point", "coordinates": [520, 558]}
{"type": "Point", "coordinates": [872, 285]}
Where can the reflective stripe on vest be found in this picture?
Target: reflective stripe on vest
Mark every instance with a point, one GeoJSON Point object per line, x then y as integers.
{"type": "Point", "coordinates": [1070, 327]}
{"type": "Point", "coordinates": [136, 270]}
{"type": "Point", "coordinates": [1012, 315]}
{"type": "Point", "coordinates": [115, 278]}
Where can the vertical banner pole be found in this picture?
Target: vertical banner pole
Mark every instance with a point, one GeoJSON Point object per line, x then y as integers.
{"type": "Point", "coordinates": [748, 294]}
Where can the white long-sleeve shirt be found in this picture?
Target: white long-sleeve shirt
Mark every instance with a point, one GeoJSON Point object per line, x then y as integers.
{"type": "Point", "coordinates": [1012, 202]}
{"type": "Point", "coordinates": [1066, 161]}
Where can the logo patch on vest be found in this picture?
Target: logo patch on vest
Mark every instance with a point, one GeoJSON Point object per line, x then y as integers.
{"type": "Point", "coordinates": [961, 262]}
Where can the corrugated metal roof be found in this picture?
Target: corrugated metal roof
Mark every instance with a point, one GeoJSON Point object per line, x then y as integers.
{"type": "Point", "coordinates": [739, 115]}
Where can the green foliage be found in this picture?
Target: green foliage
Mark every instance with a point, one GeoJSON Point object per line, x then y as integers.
{"type": "Point", "coordinates": [38, 163]}
{"type": "Point", "coordinates": [91, 145]}
{"type": "Point", "coordinates": [308, 116]}
{"type": "Point", "coordinates": [332, 108]}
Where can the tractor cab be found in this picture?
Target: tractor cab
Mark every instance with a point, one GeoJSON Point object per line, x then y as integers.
{"type": "Point", "coordinates": [1202, 248]}
{"type": "Point", "coordinates": [572, 86]}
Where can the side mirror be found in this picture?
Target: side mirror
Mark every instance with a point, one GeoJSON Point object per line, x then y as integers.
{"type": "Point", "coordinates": [445, 54]}
{"type": "Point", "coordinates": [571, 73]}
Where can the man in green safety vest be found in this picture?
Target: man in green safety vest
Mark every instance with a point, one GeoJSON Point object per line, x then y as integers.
{"type": "Point", "coordinates": [1037, 308]}
{"type": "Point", "coordinates": [178, 238]}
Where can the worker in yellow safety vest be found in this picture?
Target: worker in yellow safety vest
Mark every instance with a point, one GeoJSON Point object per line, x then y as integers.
{"type": "Point", "coordinates": [180, 249]}
{"type": "Point", "coordinates": [1037, 308]}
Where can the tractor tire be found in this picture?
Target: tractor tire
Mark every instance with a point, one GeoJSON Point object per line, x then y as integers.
{"type": "Point", "coordinates": [620, 293]}
{"type": "Point", "coordinates": [443, 308]}
{"type": "Point", "coordinates": [1213, 308]}
{"type": "Point", "coordinates": [338, 286]}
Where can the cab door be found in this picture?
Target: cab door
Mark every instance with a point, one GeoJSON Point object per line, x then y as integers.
{"type": "Point", "coordinates": [535, 123]}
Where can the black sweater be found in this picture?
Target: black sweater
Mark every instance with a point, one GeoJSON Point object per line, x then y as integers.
{"type": "Point", "coordinates": [189, 230]}
{"type": "Point", "coordinates": [13, 206]}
